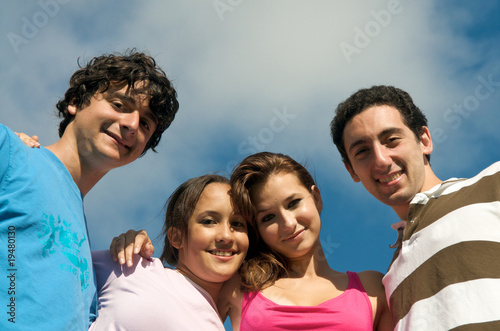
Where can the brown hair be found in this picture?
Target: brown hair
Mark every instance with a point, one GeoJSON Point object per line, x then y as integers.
{"type": "Point", "coordinates": [263, 266]}
{"type": "Point", "coordinates": [179, 209]}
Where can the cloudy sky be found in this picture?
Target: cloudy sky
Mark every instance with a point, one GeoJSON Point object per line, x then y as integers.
{"type": "Point", "coordinates": [264, 75]}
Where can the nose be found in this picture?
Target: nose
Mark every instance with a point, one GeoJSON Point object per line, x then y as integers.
{"type": "Point", "coordinates": [130, 121]}
{"type": "Point", "coordinates": [288, 222]}
{"type": "Point", "coordinates": [382, 160]}
{"type": "Point", "coordinates": [225, 233]}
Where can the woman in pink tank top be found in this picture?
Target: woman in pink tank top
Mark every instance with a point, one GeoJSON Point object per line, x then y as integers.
{"type": "Point", "coordinates": [286, 283]}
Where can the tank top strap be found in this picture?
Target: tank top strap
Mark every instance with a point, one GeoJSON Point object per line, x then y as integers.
{"type": "Point", "coordinates": [354, 281]}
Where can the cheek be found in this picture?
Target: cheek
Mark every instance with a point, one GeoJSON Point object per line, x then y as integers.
{"type": "Point", "coordinates": [198, 240]}
{"type": "Point", "coordinates": [243, 242]}
{"type": "Point", "coordinates": [269, 234]}
{"type": "Point", "coordinates": [361, 170]}
{"type": "Point", "coordinates": [142, 142]}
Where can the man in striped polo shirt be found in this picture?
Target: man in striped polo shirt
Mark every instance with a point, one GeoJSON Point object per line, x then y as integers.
{"type": "Point", "coordinates": [445, 273]}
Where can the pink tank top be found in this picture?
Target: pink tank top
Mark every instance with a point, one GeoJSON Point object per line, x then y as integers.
{"type": "Point", "coordinates": [351, 311]}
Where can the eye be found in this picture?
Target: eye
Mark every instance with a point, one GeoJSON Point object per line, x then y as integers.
{"type": "Point", "coordinates": [393, 141]}
{"type": "Point", "coordinates": [294, 203]}
{"type": "Point", "coordinates": [240, 224]}
{"type": "Point", "coordinates": [267, 218]}
{"type": "Point", "coordinates": [145, 124]}
{"type": "Point", "coordinates": [207, 221]}
{"type": "Point", "coordinates": [361, 151]}
{"type": "Point", "coordinates": [117, 104]}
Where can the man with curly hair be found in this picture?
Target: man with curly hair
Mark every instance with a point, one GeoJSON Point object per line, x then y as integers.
{"type": "Point", "coordinates": [116, 108]}
{"type": "Point", "coordinates": [445, 273]}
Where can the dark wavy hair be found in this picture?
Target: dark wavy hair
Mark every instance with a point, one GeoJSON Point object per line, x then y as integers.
{"type": "Point", "coordinates": [380, 95]}
{"type": "Point", "coordinates": [128, 68]}
{"type": "Point", "coordinates": [263, 266]}
{"type": "Point", "coordinates": [179, 209]}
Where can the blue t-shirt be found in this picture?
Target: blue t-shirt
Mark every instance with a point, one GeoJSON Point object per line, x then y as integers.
{"type": "Point", "coordinates": [47, 280]}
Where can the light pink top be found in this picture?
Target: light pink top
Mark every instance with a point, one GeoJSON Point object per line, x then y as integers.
{"type": "Point", "coordinates": [350, 311]}
{"type": "Point", "coordinates": [148, 296]}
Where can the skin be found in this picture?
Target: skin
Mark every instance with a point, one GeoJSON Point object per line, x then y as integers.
{"type": "Point", "coordinates": [387, 157]}
{"type": "Point", "coordinates": [288, 216]}
{"type": "Point", "coordinates": [29, 141]}
{"type": "Point", "coordinates": [216, 241]}
{"type": "Point", "coordinates": [288, 221]}
{"type": "Point", "coordinates": [110, 132]}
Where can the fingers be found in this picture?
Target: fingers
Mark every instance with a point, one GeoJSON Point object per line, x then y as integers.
{"type": "Point", "coordinates": [117, 248]}
{"type": "Point", "coordinates": [27, 140]}
{"type": "Point", "coordinates": [125, 246]}
{"type": "Point", "coordinates": [142, 244]}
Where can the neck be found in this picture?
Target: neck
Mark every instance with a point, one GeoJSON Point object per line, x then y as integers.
{"type": "Point", "coordinates": [212, 288]}
{"type": "Point", "coordinates": [309, 265]}
{"type": "Point", "coordinates": [84, 176]}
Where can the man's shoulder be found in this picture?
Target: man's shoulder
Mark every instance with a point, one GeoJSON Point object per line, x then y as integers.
{"type": "Point", "coordinates": [490, 170]}
{"type": "Point", "coordinates": [487, 177]}
{"type": "Point", "coordinates": [5, 132]}
{"type": "Point", "coordinates": [9, 139]}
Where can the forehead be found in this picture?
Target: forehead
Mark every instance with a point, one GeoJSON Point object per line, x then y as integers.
{"type": "Point", "coordinates": [214, 196]}
{"type": "Point", "coordinates": [372, 122]}
{"type": "Point", "coordinates": [277, 185]}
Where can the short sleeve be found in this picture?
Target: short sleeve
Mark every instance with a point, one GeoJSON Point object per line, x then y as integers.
{"type": "Point", "coordinates": [4, 151]}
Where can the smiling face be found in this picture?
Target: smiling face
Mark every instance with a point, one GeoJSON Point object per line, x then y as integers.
{"type": "Point", "coordinates": [114, 128]}
{"type": "Point", "coordinates": [216, 241]}
{"type": "Point", "coordinates": [288, 218]}
{"type": "Point", "coordinates": [386, 156]}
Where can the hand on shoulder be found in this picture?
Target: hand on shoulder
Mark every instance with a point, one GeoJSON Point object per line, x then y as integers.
{"type": "Point", "coordinates": [28, 141]}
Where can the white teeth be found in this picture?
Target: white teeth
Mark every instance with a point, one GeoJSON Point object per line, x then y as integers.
{"type": "Point", "coordinates": [391, 178]}
{"type": "Point", "coordinates": [221, 253]}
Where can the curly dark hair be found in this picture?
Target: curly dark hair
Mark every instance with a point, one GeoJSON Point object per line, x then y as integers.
{"type": "Point", "coordinates": [375, 96]}
{"type": "Point", "coordinates": [128, 68]}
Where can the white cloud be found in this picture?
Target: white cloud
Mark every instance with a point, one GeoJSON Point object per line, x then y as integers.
{"type": "Point", "coordinates": [231, 74]}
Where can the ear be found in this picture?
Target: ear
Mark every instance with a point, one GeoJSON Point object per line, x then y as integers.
{"type": "Point", "coordinates": [175, 237]}
{"type": "Point", "coordinates": [317, 198]}
{"type": "Point", "coordinates": [72, 109]}
{"type": "Point", "coordinates": [426, 140]}
{"type": "Point", "coordinates": [354, 177]}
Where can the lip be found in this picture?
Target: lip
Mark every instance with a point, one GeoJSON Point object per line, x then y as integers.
{"type": "Point", "coordinates": [222, 253]}
{"type": "Point", "coordinates": [294, 236]}
{"type": "Point", "coordinates": [120, 141]}
{"type": "Point", "coordinates": [391, 179]}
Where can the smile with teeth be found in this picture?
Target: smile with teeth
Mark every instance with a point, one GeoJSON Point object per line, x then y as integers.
{"type": "Point", "coordinates": [222, 253]}
{"type": "Point", "coordinates": [390, 178]}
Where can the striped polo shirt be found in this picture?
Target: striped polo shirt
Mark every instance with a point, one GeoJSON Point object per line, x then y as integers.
{"type": "Point", "coordinates": [446, 272]}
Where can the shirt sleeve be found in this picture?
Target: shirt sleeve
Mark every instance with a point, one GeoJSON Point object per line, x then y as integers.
{"type": "Point", "coordinates": [104, 268]}
{"type": "Point", "coordinates": [4, 151]}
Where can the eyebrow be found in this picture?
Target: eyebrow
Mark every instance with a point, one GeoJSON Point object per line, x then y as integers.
{"type": "Point", "coordinates": [209, 213]}
{"type": "Point", "coordinates": [382, 134]}
{"type": "Point", "coordinates": [131, 100]}
{"type": "Point", "coordinates": [290, 197]}
{"type": "Point", "coordinates": [124, 97]}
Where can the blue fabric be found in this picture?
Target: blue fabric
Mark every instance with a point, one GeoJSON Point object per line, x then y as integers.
{"type": "Point", "coordinates": [44, 245]}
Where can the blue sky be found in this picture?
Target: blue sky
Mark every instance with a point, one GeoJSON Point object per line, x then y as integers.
{"type": "Point", "coordinates": [265, 75]}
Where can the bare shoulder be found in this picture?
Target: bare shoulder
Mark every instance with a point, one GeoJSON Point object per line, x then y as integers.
{"type": "Point", "coordinates": [372, 282]}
